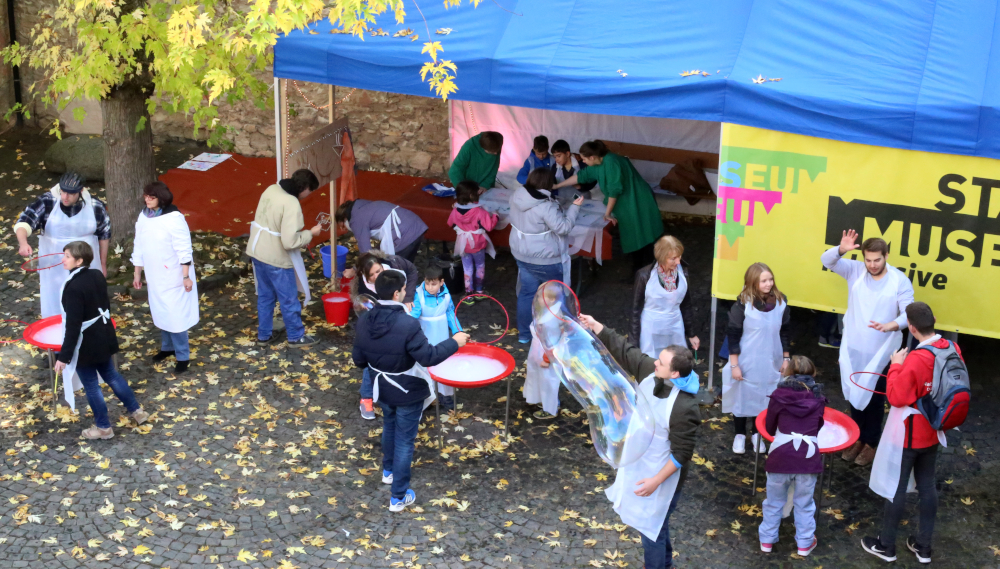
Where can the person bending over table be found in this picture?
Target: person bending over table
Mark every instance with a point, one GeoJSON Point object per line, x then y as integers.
{"type": "Point", "coordinates": [628, 199]}
{"type": "Point", "coordinates": [478, 161]}
{"type": "Point", "coordinates": [399, 231]}
{"type": "Point", "coordinates": [661, 307]}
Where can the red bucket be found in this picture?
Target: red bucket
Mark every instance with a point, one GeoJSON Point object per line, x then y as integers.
{"type": "Point", "coordinates": [337, 306]}
{"type": "Point", "coordinates": [345, 282]}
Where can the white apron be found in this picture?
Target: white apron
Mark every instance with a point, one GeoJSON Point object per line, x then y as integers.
{"type": "Point", "coordinates": [59, 232]}
{"type": "Point", "coordinates": [70, 380]}
{"type": "Point", "coordinates": [888, 464]}
{"type": "Point", "coordinates": [417, 370]}
{"type": "Point", "coordinates": [173, 309]}
{"type": "Point", "coordinates": [567, 261]}
{"type": "Point", "coordinates": [863, 348]}
{"type": "Point", "coordinates": [466, 239]}
{"type": "Point", "coordinates": [297, 265]}
{"type": "Point", "coordinates": [541, 384]}
{"type": "Point", "coordinates": [760, 362]}
{"type": "Point", "coordinates": [812, 444]}
{"type": "Point", "coordinates": [384, 233]}
{"type": "Point", "coordinates": [661, 322]}
{"type": "Point", "coordinates": [435, 326]}
{"type": "Point", "coordinates": [647, 514]}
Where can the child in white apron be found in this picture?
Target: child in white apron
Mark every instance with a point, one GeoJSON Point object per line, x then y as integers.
{"type": "Point", "coordinates": [434, 307]}
{"type": "Point", "coordinates": [794, 419]}
{"type": "Point", "coordinates": [758, 351]}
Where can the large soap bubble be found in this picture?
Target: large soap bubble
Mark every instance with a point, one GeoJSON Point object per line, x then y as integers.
{"type": "Point", "coordinates": [621, 421]}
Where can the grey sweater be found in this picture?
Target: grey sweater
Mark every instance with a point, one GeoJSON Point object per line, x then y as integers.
{"type": "Point", "coordinates": [543, 226]}
{"type": "Point", "coordinates": [367, 216]}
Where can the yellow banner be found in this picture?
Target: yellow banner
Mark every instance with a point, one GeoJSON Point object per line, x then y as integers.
{"type": "Point", "coordinates": [786, 198]}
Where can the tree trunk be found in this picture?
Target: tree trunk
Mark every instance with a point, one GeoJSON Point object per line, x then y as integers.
{"type": "Point", "coordinates": [128, 157]}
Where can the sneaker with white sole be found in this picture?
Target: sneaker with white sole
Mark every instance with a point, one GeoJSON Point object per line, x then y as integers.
{"type": "Point", "coordinates": [398, 505]}
{"type": "Point", "coordinates": [804, 552]}
{"type": "Point", "coordinates": [874, 546]}
{"type": "Point", "coordinates": [923, 553]}
{"type": "Point", "coordinates": [367, 410]}
{"type": "Point", "coordinates": [759, 443]}
{"type": "Point", "coordinates": [386, 477]}
{"type": "Point", "coordinates": [765, 547]}
{"type": "Point", "coordinates": [303, 342]}
{"type": "Point", "coordinates": [740, 444]}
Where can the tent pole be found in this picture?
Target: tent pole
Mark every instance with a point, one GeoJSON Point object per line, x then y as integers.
{"type": "Point", "coordinates": [278, 150]}
{"type": "Point", "coordinates": [333, 208]}
{"type": "Point", "coordinates": [711, 344]}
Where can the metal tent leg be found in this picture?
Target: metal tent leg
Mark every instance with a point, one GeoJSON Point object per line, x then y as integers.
{"type": "Point", "coordinates": [711, 345]}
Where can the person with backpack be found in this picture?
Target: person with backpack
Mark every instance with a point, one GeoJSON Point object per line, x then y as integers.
{"type": "Point", "coordinates": [929, 393]}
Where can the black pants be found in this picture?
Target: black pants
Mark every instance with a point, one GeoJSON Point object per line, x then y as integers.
{"type": "Point", "coordinates": [921, 461]}
{"type": "Point", "coordinates": [740, 425]}
{"type": "Point", "coordinates": [869, 419]}
{"type": "Point", "coordinates": [642, 257]}
{"type": "Point", "coordinates": [410, 252]}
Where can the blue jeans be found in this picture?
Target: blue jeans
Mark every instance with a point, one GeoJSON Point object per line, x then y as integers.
{"type": "Point", "coordinates": [366, 384]}
{"type": "Point", "coordinates": [92, 385]}
{"type": "Point", "coordinates": [399, 431]}
{"type": "Point", "coordinates": [659, 554]}
{"type": "Point", "coordinates": [176, 342]}
{"type": "Point", "coordinates": [802, 499]}
{"type": "Point", "coordinates": [532, 277]}
{"type": "Point", "coordinates": [275, 284]}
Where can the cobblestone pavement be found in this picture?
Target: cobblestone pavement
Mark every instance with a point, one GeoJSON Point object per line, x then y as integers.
{"type": "Point", "coordinates": [257, 457]}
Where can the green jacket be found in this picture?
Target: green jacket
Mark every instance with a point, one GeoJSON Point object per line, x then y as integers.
{"type": "Point", "coordinates": [639, 222]}
{"type": "Point", "coordinates": [474, 164]}
{"type": "Point", "coordinates": [685, 417]}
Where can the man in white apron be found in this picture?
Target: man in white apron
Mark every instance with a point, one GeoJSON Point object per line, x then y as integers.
{"type": "Point", "coordinates": [907, 453]}
{"type": "Point", "coordinates": [877, 297]}
{"type": "Point", "coordinates": [276, 238]}
{"type": "Point", "coordinates": [66, 213]}
{"type": "Point", "coordinates": [399, 231]}
{"type": "Point", "coordinates": [434, 308]}
{"type": "Point", "coordinates": [646, 491]}
{"type": "Point", "coordinates": [391, 344]}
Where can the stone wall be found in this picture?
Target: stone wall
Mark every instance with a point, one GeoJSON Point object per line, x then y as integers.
{"type": "Point", "coordinates": [392, 133]}
{"type": "Point", "coordinates": [6, 73]}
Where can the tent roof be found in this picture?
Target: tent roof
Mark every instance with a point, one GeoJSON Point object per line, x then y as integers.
{"type": "Point", "coordinates": [917, 74]}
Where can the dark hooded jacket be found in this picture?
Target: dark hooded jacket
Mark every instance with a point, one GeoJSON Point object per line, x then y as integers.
{"type": "Point", "coordinates": [390, 340]}
{"type": "Point", "coordinates": [795, 408]}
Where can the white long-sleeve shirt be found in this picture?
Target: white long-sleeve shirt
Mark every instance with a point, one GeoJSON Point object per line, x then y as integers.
{"type": "Point", "coordinates": [853, 270]}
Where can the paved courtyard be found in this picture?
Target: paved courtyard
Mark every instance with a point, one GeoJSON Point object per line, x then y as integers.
{"type": "Point", "coordinates": [258, 457]}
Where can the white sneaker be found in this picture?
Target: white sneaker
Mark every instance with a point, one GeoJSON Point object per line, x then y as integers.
{"type": "Point", "coordinates": [740, 444]}
{"type": "Point", "coordinates": [757, 440]}
{"type": "Point", "coordinates": [386, 477]}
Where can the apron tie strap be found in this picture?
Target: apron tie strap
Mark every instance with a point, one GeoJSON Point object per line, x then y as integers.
{"type": "Point", "coordinates": [796, 439]}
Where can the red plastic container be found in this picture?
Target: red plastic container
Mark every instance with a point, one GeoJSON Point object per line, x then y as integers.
{"type": "Point", "coordinates": [337, 306]}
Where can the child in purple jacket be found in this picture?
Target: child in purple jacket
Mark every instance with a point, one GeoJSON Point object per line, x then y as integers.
{"type": "Point", "coordinates": [794, 418]}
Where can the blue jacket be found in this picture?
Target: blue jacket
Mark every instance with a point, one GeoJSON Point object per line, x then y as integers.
{"type": "Point", "coordinates": [433, 301]}
{"type": "Point", "coordinates": [389, 340]}
{"type": "Point", "coordinates": [532, 162]}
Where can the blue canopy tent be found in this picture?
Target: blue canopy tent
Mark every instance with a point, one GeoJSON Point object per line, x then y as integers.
{"type": "Point", "coordinates": [907, 74]}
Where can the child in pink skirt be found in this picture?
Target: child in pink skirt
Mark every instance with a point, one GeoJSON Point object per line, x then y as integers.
{"type": "Point", "coordinates": [471, 223]}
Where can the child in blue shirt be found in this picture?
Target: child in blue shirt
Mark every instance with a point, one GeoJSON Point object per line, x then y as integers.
{"type": "Point", "coordinates": [538, 158]}
{"type": "Point", "coordinates": [434, 307]}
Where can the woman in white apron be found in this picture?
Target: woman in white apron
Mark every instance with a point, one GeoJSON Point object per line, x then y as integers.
{"type": "Point", "coordinates": [399, 231]}
{"type": "Point", "coordinates": [661, 308]}
{"type": "Point", "coordinates": [89, 340]}
{"type": "Point", "coordinates": [538, 242]}
{"type": "Point", "coordinates": [58, 230]}
{"type": "Point", "coordinates": [162, 248]}
{"type": "Point", "coordinates": [758, 351]}
{"type": "Point", "coordinates": [435, 309]}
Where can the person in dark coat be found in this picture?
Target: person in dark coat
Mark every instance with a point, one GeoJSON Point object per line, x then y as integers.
{"type": "Point", "coordinates": [391, 343]}
{"type": "Point", "coordinates": [90, 339]}
{"type": "Point", "coordinates": [794, 419]}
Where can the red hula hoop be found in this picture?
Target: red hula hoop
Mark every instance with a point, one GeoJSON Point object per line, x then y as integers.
{"type": "Point", "coordinates": [575, 297]}
{"type": "Point", "coordinates": [507, 316]}
{"type": "Point", "coordinates": [23, 268]}
{"type": "Point", "coordinates": [851, 377]}
{"type": "Point", "coordinates": [16, 340]}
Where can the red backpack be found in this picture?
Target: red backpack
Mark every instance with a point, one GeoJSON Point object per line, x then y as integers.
{"type": "Point", "coordinates": [947, 404]}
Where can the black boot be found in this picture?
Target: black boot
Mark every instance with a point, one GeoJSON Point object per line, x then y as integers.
{"type": "Point", "coordinates": [162, 355]}
{"type": "Point", "coordinates": [181, 367]}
